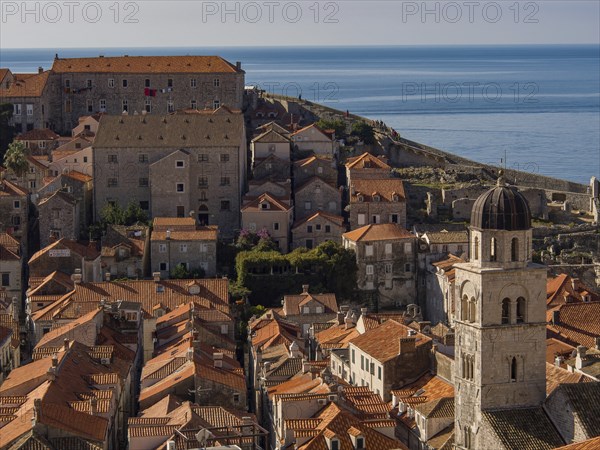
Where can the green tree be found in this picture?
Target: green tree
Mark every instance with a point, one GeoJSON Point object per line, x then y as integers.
{"type": "Point", "coordinates": [15, 158]}
{"type": "Point", "coordinates": [113, 214]}
{"type": "Point", "coordinates": [333, 124]}
{"type": "Point", "coordinates": [180, 272]}
{"type": "Point", "coordinates": [364, 132]}
{"type": "Point", "coordinates": [7, 132]}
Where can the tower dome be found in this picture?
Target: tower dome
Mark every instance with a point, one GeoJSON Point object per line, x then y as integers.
{"type": "Point", "coordinates": [501, 208]}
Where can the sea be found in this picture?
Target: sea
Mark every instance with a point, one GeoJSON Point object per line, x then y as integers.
{"type": "Point", "coordinates": [533, 108]}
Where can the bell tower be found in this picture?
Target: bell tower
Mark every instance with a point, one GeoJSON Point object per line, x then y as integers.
{"type": "Point", "coordinates": [501, 319]}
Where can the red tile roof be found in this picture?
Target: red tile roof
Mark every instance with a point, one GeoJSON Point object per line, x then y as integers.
{"type": "Point", "coordinates": [386, 189]}
{"type": "Point", "coordinates": [145, 64]}
{"type": "Point", "coordinates": [379, 232]}
{"type": "Point", "coordinates": [26, 85]}
{"type": "Point", "coordinates": [578, 323]}
{"type": "Point", "coordinates": [44, 134]}
{"type": "Point", "coordinates": [366, 161]}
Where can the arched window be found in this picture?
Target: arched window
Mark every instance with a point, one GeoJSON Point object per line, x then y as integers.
{"type": "Point", "coordinates": [493, 249]}
{"type": "Point", "coordinates": [521, 310]}
{"type": "Point", "coordinates": [505, 311]}
{"type": "Point", "coordinates": [527, 249]}
{"type": "Point", "coordinates": [514, 249]}
{"type": "Point", "coordinates": [467, 433]}
{"type": "Point", "coordinates": [472, 310]}
{"type": "Point", "coordinates": [464, 308]}
{"type": "Point", "coordinates": [476, 248]}
{"type": "Point", "coordinates": [463, 360]}
{"type": "Point", "coordinates": [513, 369]}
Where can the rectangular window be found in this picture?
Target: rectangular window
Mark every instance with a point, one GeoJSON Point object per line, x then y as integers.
{"type": "Point", "coordinates": [29, 109]}
{"type": "Point", "coordinates": [202, 157]}
{"type": "Point", "coordinates": [143, 157]}
{"type": "Point", "coordinates": [17, 204]}
{"type": "Point", "coordinates": [148, 105]}
{"type": "Point", "coordinates": [368, 250]}
{"type": "Point", "coordinates": [143, 182]}
{"type": "Point", "coordinates": [17, 109]}
{"type": "Point", "coordinates": [179, 164]}
{"type": "Point", "coordinates": [216, 82]}
{"type": "Point", "coordinates": [276, 226]}
{"type": "Point", "coordinates": [216, 104]}
{"type": "Point", "coordinates": [111, 82]}
{"type": "Point", "coordinates": [225, 205]}
{"type": "Point", "coordinates": [203, 182]}
{"type": "Point", "coordinates": [224, 157]}
{"type": "Point", "coordinates": [125, 105]}
{"type": "Point", "coordinates": [180, 211]}
{"type": "Point", "coordinates": [394, 218]}
{"type": "Point", "coordinates": [16, 220]}
{"type": "Point", "coordinates": [408, 247]}
{"type": "Point", "coordinates": [113, 159]}
{"type": "Point", "coordinates": [193, 82]}
{"type": "Point", "coordinates": [163, 266]}
{"type": "Point", "coordinates": [183, 248]}
{"type": "Point", "coordinates": [170, 82]}
{"type": "Point", "coordinates": [102, 105]}
{"type": "Point", "coordinates": [379, 372]}
{"type": "Point", "coordinates": [162, 248]}
{"type": "Point", "coordinates": [88, 84]}
{"type": "Point", "coordinates": [113, 182]}
{"type": "Point", "coordinates": [68, 105]}
{"type": "Point", "coordinates": [145, 205]}
{"type": "Point", "coordinates": [362, 362]}
{"type": "Point", "coordinates": [388, 268]}
{"type": "Point", "coordinates": [369, 269]}
{"type": "Point", "coordinates": [180, 187]}
{"type": "Point", "coordinates": [67, 83]}
{"type": "Point", "coordinates": [309, 243]}
{"type": "Point", "coordinates": [327, 228]}
{"type": "Point", "coordinates": [170, 106]}
{"type": "Point", "coordinates": [407, 267]}
{"type": "Point", "coordinates": [361, 219]}
{"type": "Point", "coordinates": [125, 83]}
{"type": "Point", "coordinates": [388, 249]}
{"type": "Point", "coordinates": [193, 104]}
{"type": "Point", "coordinates": [309, 228]}
{"type": "Point", "coordinates": [318, 227]}
{"type": "Point", "coordinates": [147, 82]}
{"type": "Point", "coordinates": [90, 106]}
{"type": "Point", "coordinates": [5, 279]}
{"type": "Point", "coordinates": [353, 357]}
{"type": "Point", "coordinates": [225, 181]}
{"type": "Point", "coordinates": [203, 248]}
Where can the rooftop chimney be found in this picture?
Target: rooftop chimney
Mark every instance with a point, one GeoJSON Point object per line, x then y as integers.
{"type": "Point", "coordinates": [76, 277]}
{"type": "Point", "coordinates": [558, 361]}
{"type": "Point", "coordinates": [156, 276]}
{"type": "Point", "coordinates": [407, 345]}
{"type": "Point", "coordinates": [190, 354]}
{"type": "Point", "coordinates": [364, 310]}
{"type": "Point", "coordinates": [107, 276]}
{"type": "Point", "coordinates": [66, 344]}
{"type": "Point", "coordinates": [579, 359]}
{"type": "Point", "coordinates": [40, 69]}
{"type": "Point", "coordinates": [574, 283]}
{"type": "Point", "coordinates": [305, 289]}
{"type": "Point", "coordinates": [340, 318]}
{"type": "Point", "coordinates": [54, 360]}
{"type": "Point", "coordinates": [93, 406]}
{"type": "Point", "coordinates": [305, 366]}
{"type": "Point", "coordinates": [37, 411]}
{"type": "Point", "coordinates": [168, 234]}
{"type": "Point", "coordinates": [238, 65]}
{"type": "Point", "coordinates": [218, 359]}
{"type": "Point", "coordinates": [51, 374]}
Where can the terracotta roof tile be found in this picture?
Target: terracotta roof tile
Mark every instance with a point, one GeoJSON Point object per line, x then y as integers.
{"type": "Point", "coordinates": [578, 322]}
{"type": "Point", "coordinates": [26, 86]}
{"type": "Point", "coordinates": [366, 161]}
{"type": "Point", "coordinates": [378, 232]}
{"type": "Point", "coordinates": [44, 134]}
{"type": "Point", "coordinates": [385, 188]}
{"type": "Point", "coordinates": [145, 64]}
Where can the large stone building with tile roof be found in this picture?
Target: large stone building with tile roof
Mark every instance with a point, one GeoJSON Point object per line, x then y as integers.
{"type": "Point", "coordinates": [174, 166]}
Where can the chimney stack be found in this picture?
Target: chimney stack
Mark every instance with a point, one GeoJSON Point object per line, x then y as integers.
{"type": "Point", "coordinates": [94, 406]}
{"type": "Point", "coordinates": [156, 276]}
{"type": "Point", "coordinates": [558, 360]}
{"type": "Point", "coordinates": [340, 318]}
{"type": "Point", "coordinates": [238, 65]}
{"type": "Point", "coordinates": [218, 359]}
{"type": "Point", "coordinates": [190, 354]}
{"type": "Point", "coordinates": [66, 344]}
{"type": "Point", "coordinates": [407, 345]}
{"type": "Point", "coordinates": [305, 366]}
{"type": "Point", "coordinates": [37, 411]}
{"type": "Point", "coordinates": [40, 69]}
{"type": "Point", "coordinates": [107, 276]}
{"type": "Point", "coordinates": [55, 360]}
{"type": "Point", "coordinates": [579, 359]}
{"type": "Point", "coordinates": [305, 289]}
{"type": "Point", "coordinates": [364, 310]}
{"type": "Point", "coordinates": [51, 374]}
{"type": "Point", "coordinates": [76, 277]}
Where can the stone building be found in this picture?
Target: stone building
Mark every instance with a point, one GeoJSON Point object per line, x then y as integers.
{"type": "Point", "coordinates": [269, 143]}
{"type": "Point", "coordinates": [388, 357]}
{"type": "Point", "coordinates": [440, 290]}
{"type": "Point", "coordinates": [318, 228]}
{"type": "Point", "coordinates": [270, 213]}
{"type": "Point", "coordinates": [10, 274]}
{"type": "Point", "coordinates": [367, 166]}
{"type": "Point", "coordinates": [59, 218]}
{"type": "Point", "coordinates": [271, 168]}
{"type": "Point", "coordinates": [80, 187]}
{"type": "Point", "coordinates": [315, 166]}
{"type": "Point", "coordinates": [386, 259]}
{"type": "Point", "coordinates": [174, 165]}
{"type": "Point", "coordinates": [75, 155]}
{"type": "Point", "coordinates": [317, 195]}
{"type": "Point", "coordinates": [67, 256]}
{"type": "Point", "coordinates": [126, 251]}
{"type": "Point", "coordinates": [312, 138]}
{"type": "Point", "coordinates": [39, 142]}
{"type": "Point", "coordinates": [377, 201]}
{"type": "Point", "coordinates": [32, 98]}
{"type": "Point", "coordinates": [177, 241]}
{"type": "Point", "coordinates": [305, 308]}
{"type": "Point", "coordinates": [153, 84]}
{"type": "Point", "coordinates": [500, 323]}
{"type": "Point", "coordinates": [14, 208]}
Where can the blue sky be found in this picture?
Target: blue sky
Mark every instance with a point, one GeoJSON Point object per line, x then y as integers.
{"type": "Point", "coordinates": [215, 23]}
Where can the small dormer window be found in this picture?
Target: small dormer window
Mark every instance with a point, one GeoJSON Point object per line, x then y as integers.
{"type": "Point", "coordinates": [376, 198]}
{"type": "Point", "coordinates": [359, 442]}
{"type": "Point", "coordinates": [264, 205]}
{"type": "Point", "coordinates": [395, 197]}
{"type": "Point", "coordinates": [360, 198]}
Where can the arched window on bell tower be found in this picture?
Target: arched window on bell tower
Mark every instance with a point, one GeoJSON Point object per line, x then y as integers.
{"type": "Point", "coordinates": [514, 249]}
{"type": "Point", "coordinates": [493, 249]}
{"type": "Point", "coordinates": [472, 310]}
{"type": "Point", "coordinates": [505, 311]}
{"type": "Point", "coordinates": [464, 308]}
{"type": "Point", "coordinates": [476, 248]}
{"type": "Point", "coordinates": [467, 433]}
{"type": "Point", "coordinates": [513, 369]}
{"type": "Point", "coordinates": [521, 310]}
